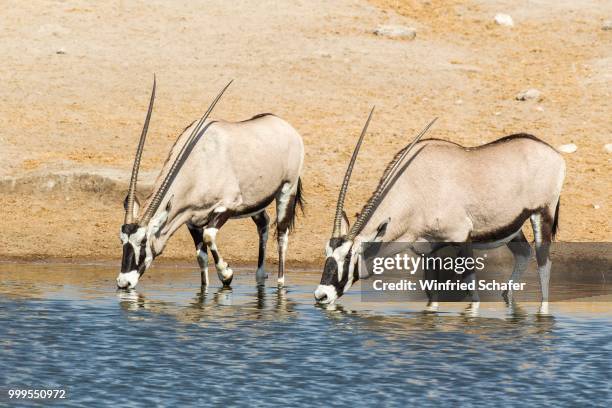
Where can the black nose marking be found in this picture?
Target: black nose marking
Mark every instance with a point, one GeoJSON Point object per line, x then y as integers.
{"type": "Point", "coordinates": [330, 272]}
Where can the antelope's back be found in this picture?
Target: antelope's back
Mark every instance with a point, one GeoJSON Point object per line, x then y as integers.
{"type": "Point", "coordinates": [260, 154]}
{"type": "Point", "coordinates": [446, 182]}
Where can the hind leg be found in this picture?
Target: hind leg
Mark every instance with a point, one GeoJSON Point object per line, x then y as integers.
{"type": "Point", "coordinates": [285, 211]}
{"type": "Point", "coordinates": [542, 231]}
{"type": "Point", "coordinates": [201, 251]}
{"type": "Point", "coordinates": [469, 276]}
{"type": "Point", "coordinates": [263, 225]}
{"type": "Point", "coordinates": [521, 250]}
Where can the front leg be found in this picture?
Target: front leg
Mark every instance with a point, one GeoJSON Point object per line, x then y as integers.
{"type": "Point", "coordinates": [224, 272]}
{"type": "Point", "coordinates": [201, 252]}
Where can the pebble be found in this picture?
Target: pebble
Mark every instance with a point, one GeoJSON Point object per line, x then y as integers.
{"type": "Point", "coordinates": [61, 51]}
{"type": "Point", "coordinates": [504, 20]}
{"type": "Point", "coordinates": [607, 25]}
{"type": "Point", "coordinates": [396, 31]}
{"type": "Point", "coordinates": [608, 147]}
{"type": "Point", "coordinates": [568, 148]}
{"type": "Point", "coordinates": [529, 95]}
{"type": "Point", "coordinates": [596, 206]}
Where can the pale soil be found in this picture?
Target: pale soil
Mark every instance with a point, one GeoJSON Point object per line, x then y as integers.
{"type": "Point", "coordinates": [314, 63]}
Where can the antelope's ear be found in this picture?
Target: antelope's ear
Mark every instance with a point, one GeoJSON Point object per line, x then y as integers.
{"type": "Point", "coordinates": [344, 225]}
{"type": "Point", "coordinates": [159, 221]}
{"type": "Point", "coordinates": [381, 230]}
{"type": "Point", "coordinates": [136, 206]}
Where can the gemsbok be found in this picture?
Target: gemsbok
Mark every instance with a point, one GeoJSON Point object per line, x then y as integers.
{"type": "Point", "coordinates": [438, 191]}
{"type": "Point", "coordinates": [215, 171]}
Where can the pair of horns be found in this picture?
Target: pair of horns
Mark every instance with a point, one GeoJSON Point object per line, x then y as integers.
{"type": "Point", "coordinates": [186, 149]}
{"type": "Point", "coordinates": [385, 182]}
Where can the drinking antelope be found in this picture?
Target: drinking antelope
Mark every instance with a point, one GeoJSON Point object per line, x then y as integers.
{"type": "Point", "coordinates": [439, 191]}
{"type": "Point", "coordinates": [215, 171]}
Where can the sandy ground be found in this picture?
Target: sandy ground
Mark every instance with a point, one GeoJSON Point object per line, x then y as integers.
{"type": "Point", "coordinates": [76, 78]}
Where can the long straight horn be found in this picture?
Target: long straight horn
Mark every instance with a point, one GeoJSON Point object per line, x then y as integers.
{"type": "Point", "coordinates": [386, 181]}
{"type": "Point", "coordinates": [129, 212]}
{"type": "Point", "coordinates": [347, 176]}
{"type": "Point", "coordinates": [180, 159]}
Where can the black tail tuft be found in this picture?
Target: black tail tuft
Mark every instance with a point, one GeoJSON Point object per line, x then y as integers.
{"type": "Point", "coordinates": [298, 201]}
{"type": "Point", "coordinates": [555, 226]}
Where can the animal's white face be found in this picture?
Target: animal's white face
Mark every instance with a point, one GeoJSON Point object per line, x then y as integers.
{"type": "Point", "coordinates": [338, 272]}
{"type": "Point", "coordinates": [135, 252]}
{"type": "Point", "coordinates": [138, 251]}
{"type": "Point", "coordinates": [341, 268]}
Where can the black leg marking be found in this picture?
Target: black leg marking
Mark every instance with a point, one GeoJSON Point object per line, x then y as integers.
{"type": "Point", "coordinates": [542, 224]}
{"type": "Point", "coordinates": [521, 250]}
{"type": "Point", "coordinates": [282, 235]}
{"type": "Point", "coordinates": [197, 234]}
{"type": "Point", "coordinates": [467, 251]}
{"type": "Point", "coordinates": [263, 226]}
{"type": "Point", "coordinates": [224, 272]}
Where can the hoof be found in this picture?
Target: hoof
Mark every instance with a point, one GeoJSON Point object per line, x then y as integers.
{"type": "Point", "coordinates": [432, 307]}
{"type": "Point", "coordinates": [226, 275]}
{"type": "Point", "coordinates": [543, 310]}
{"type": "Point", "coordinates": [472, 309]}
{"type": "Point", "coordinates": [260, 277]}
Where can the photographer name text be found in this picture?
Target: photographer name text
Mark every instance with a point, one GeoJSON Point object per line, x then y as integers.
{"type": "Point", "coordinates": [408, 285]}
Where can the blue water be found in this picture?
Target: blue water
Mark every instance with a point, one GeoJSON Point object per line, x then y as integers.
{"type": "Point", "coordinates": [169, 344]}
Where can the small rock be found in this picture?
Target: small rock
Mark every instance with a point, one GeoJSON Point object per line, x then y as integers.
{"type": "Point", "coordinates": [61, 51]}
{"type": "Point", "coordinates": [596, 206]}
{"type": "Point", "coordinates": [396, 31]}
{"type": "Point", "coordinates": [539, 108]}
{"type": "Point", "coordinates": [459, 102]}
{"type": "Point", "coordinates": [568, 148]}
{"type": "Point", "coordinates": [607, 25]}
{"type": "Point", "coordinates": [530, 94]}
{"type": "Point", "coordinates": [504, 20]}
{"type": "Point", "coordinates": [608, 147]}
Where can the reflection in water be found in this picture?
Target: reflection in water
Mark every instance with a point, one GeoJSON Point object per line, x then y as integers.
{"type": "Point", "coordinates": [211, 303]}
{"type": "Point", "coordinates": [171, 343]}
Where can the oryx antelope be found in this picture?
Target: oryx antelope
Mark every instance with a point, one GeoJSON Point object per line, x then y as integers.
{"type": "Point", "coordinates": [439, 191]}
{"type": "Point", "coordinates": [215, 171]}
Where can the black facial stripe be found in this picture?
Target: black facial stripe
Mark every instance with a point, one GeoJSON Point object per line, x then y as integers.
{"type": "Point", "coordinates": [143, 255]}
{"type": "Point", "coordinates": [336, 242]}
{"type": "Point", "coordinates": [345, 275]}
{"type": "Point", "coordinates": [356, 272]}
{"type": "Point", "coordinates": [129, 228]}
{"type": "Point", "coordinates": [330, 274]}
{"type": "Point", "coordinates": [128, 261]}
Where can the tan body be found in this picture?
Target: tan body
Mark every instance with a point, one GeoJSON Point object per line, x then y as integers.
{"type": "Point", "coordinates": [456, 194]}
{"type": "Point", "coordinates": [237, 167]}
